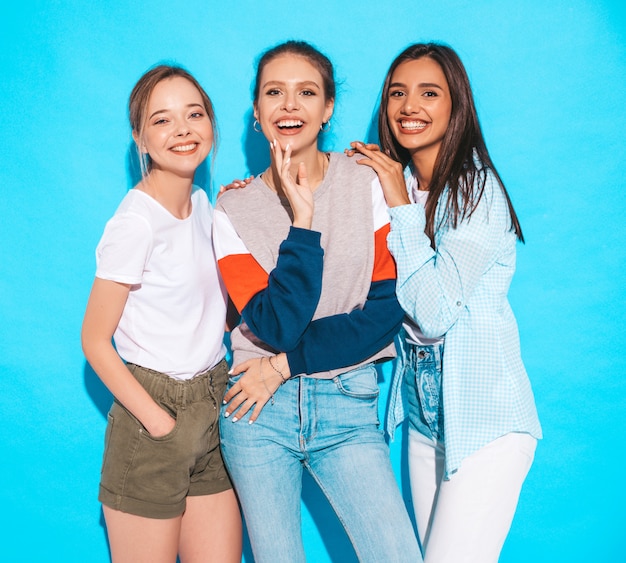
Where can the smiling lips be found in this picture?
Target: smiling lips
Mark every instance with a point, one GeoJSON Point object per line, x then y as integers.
{"type": "Point", "coordinates": [412, 126]}
{"type": "Point", "coordinates": [185, 148]}
{"type": "Point", "coordinates": [289, 124]}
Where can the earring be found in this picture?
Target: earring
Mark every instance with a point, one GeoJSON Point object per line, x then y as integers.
{"type": "Point", "coordinates": [254, 125]}
{"type": "Point", "coordinates": [325, 127]}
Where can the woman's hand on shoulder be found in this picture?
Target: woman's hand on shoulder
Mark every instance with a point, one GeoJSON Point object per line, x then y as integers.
{"type": "Point", "coordinates": [390, 172]}
{"type": "Point", "coordinates": [235, 184]}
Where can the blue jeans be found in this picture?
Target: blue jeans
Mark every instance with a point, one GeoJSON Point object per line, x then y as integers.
{"type": "Point", "coordinates": [330, 428]}
{"type": "Point", "coordinates": [422, 376]}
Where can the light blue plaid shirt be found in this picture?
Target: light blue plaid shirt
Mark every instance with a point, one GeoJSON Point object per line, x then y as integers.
{"type": "Point", "coordinates": [460, 291]}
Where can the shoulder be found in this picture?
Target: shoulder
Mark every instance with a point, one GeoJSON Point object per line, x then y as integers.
{"type": "Point", "coordinates": [241, 197]}
{"type": "Point", "coordinates": [200, 201]}
{"type": "Point", "coordinates": [493, 191]}
{"type": "Point", "coordinates": [139, 207]}
{"type": "Point", "coordinates": [347, 166]}
{"type": "Point", "coordinates": [135, 209]}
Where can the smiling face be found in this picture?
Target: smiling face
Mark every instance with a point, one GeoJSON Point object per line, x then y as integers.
{"type": "Point", "coordinates": [291, 104]}
{"type": "Point", "coordinates": [419, 107]}
{"type": "Point", "coordinates": [177, 131]}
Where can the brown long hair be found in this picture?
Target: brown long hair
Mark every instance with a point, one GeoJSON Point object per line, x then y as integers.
{"type": "Point", "coordinates": [455, 166]}
{"type": "Point", "coordinates": [139, 97]}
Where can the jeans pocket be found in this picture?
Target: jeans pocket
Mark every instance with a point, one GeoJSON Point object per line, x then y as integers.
{"type": "Point", "coordinates": [360, 383]}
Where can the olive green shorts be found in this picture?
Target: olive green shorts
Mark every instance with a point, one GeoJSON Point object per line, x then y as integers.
{"type": "Point", "coordinates": [152, 477]}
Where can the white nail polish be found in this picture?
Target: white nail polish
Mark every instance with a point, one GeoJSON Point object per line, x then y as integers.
{"type": "Point", "coordinates": [235, 419]}
{"type": "Point", "coordinates": [226, 414]}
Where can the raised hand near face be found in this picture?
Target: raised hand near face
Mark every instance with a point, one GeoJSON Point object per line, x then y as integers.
{"type": "Point", "coordinates": [297, 190]}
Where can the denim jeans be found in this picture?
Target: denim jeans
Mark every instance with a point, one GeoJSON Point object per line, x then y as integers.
{"type": "Point", "coordinates": [422, 377]}
{"type": "Point", "coordinates": [330, 428]}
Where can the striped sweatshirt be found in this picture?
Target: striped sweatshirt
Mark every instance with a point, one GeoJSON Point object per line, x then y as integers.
{"type": "Point", "coordinates": [325, 296]}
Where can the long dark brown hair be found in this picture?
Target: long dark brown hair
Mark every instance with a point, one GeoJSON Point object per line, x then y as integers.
{"type": "Point", "coordinates": [455, 166]}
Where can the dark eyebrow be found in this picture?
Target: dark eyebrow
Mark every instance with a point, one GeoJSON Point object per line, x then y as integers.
{"type": "Point", "coordinates": [421, 85]}
{"type": "Point", "coordinates": [300, 84]}
{"type": "Point", "coordinates": [165, 111]}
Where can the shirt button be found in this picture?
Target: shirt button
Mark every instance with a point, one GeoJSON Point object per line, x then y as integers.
{"type": "Point", "coordinates": [458, 303]}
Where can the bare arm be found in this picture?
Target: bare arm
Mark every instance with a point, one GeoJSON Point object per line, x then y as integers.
{"type": "Point", "coordinates": [104, 310]}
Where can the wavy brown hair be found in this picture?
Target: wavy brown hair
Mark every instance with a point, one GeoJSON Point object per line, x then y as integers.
{"type": "Point", "coordinates": [455, 166]}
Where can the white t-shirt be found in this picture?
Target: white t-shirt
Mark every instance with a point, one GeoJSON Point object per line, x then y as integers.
{"type": "Point", "coordinates": [173, 321]}
{"type": "Point", "coordinates": [414, 334]}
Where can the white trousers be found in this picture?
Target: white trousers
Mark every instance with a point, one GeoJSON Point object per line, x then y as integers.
{"type": "Point", "coordinates": [467, 518]}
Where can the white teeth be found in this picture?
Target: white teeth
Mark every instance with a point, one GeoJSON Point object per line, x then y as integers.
{"type": "Point", "coordinates": [413, 124]}
{"type": "Point", "coordinates": [290, 123]}
{"type": "Point", "coordinates": [184, 148]}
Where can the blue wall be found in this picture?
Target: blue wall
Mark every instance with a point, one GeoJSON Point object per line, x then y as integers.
{"type": "Point", "coordinates": [550, 83]}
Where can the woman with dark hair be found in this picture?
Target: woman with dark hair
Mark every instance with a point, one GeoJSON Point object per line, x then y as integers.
{"type": "Point", "coordinates": [303, 255]}
{"type": "Point", "coordinates": [473, 424]}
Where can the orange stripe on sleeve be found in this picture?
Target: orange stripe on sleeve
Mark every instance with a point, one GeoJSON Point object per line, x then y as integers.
{"type": "Point", "coordinates": [384, 265]}
{"type": "Point", "coordinates": [243, 277]}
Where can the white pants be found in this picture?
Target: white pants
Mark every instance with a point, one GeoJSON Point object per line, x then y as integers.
{"type": "Point", "coordinates": [467, 518]}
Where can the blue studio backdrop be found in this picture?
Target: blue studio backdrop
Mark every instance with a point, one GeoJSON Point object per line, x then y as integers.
{"type": "Point", "coordinates": [550, 84]}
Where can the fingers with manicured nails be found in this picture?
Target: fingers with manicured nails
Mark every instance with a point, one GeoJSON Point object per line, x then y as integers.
{"type": "Point", "coordinates": [235, 184]}
{"type": "Point", "coordinates": [390, 172]}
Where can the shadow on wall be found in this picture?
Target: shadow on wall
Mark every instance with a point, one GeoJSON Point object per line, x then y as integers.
{"type": "Point", "coordinates": [255, 146]}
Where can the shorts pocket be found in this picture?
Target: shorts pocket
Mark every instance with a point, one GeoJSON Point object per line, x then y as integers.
{"type": "Point", "coordinates": [171, 434]}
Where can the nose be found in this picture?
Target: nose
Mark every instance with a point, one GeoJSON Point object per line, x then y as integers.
{"type": "Point", "coordinates": [291, 101]}
{"type": "Point", "coordinates": [182, 129]}
{"type": "Point", "coordinates": [411, 104]}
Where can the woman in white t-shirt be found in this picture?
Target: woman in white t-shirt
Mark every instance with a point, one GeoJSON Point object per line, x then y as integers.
{"type": "Point", "coordinates": [157, 294]}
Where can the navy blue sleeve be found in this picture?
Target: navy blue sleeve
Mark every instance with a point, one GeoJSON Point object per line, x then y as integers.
{"type": "Point", "coordinates": [280, 314]}
{"type": "Point", "coordinates": [344, 340]}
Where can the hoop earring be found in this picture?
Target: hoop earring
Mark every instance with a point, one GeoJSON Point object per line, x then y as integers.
{"type": "Point", "coordinates": [259, 130]}
{"type": "Point", "coordinates": [325, 127]}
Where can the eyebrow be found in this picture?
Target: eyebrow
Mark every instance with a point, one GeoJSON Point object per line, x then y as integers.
{"type": "Point", "coordinates": [303, 83]}
{"type": "Point", "coordinates": [421, 85]}
{"type": "Point", "coordinates": [194, 105]}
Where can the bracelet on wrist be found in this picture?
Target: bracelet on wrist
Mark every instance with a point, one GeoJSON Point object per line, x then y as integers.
{"type": "Point", "coordinates": [264, 383]}
{"type": "Point", "coordinates": [284, 379]}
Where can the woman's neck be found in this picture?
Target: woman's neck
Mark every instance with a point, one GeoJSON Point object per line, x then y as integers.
{"type": "Point", "coordinates": [315, 162]}
{"type": "Point", "coordinates": [173, 192]}
{"type": "Point", "coordinates": [423, 167]}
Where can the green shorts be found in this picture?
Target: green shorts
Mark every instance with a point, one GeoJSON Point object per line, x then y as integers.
{"type": "Point", "coordinates": [152, 477]}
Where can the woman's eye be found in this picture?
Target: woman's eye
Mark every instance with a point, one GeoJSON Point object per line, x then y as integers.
{"type": "Point", "coordinates": [308, 93]}
{"type": "Point", "coordinates": [160, 121]}
{"type": "Point", "coordinates": [430, 94]}
{"type": "Point", "coordinates": [197, 115]}
{"type": "Point", "coordinates": [273, 92]}
{"type": "Point", "coordinates": [396, 94]}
